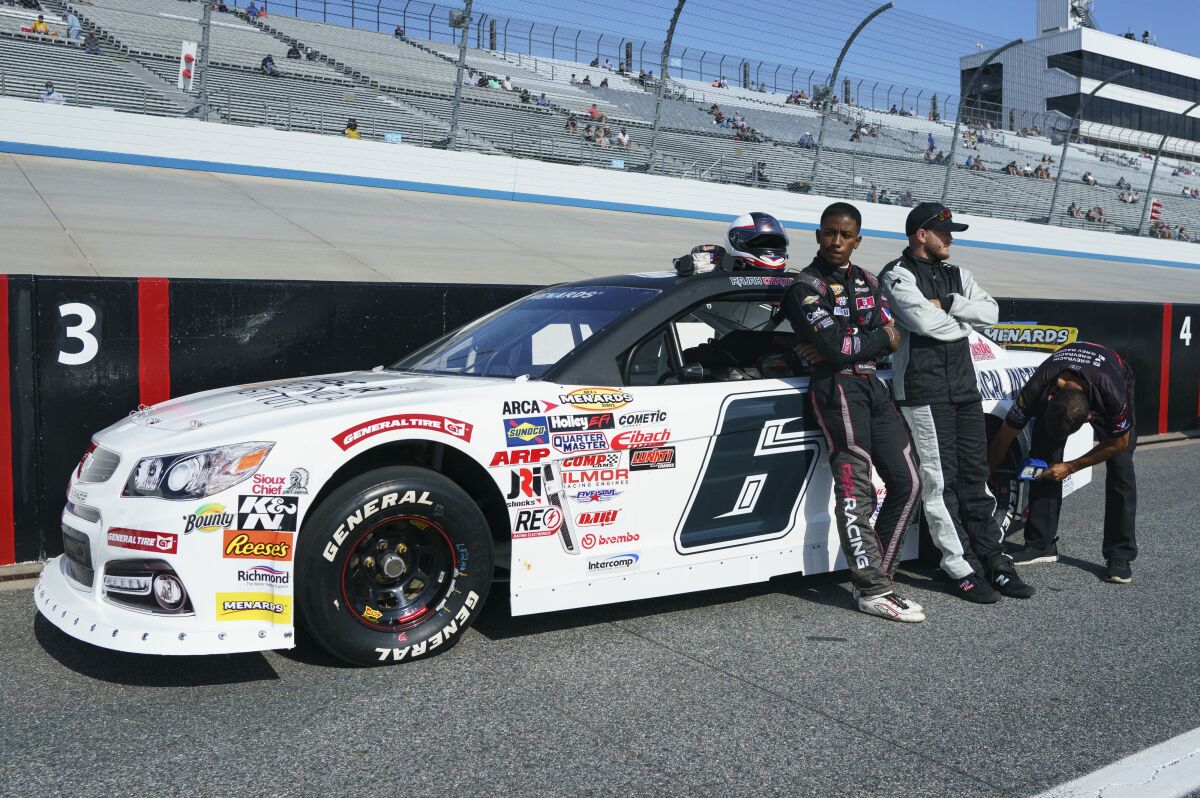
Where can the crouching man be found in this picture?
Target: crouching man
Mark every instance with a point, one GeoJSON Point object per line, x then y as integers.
{"type": "Point", "coordinates": [841, 319]}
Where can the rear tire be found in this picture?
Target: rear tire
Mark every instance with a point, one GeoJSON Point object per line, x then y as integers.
{"type": "Point", "coordinates": [393, 566]}
{"type": "Point", "coordinates": [1009, 513]}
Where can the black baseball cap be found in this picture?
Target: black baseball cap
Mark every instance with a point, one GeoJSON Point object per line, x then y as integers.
{"type": "Point", "coordinates": [932, 216]}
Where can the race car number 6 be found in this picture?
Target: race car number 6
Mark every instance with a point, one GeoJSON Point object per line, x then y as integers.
{"type": "Point", "coordinates": [81, 331]}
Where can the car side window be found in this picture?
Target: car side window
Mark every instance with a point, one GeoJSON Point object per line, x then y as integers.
{"type": "Point", "coordinates": [736, 338]}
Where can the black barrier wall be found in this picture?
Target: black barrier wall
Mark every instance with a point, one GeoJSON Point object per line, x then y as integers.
{"type": "Point", "coordinates": [85, 351]}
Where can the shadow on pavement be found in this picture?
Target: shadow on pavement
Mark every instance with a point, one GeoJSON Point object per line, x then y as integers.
{"type": "Point", "coordinates": [1095, 569]}
{"type": "Point", "coordinates": [148, 670]}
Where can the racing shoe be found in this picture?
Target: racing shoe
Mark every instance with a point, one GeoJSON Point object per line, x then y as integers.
{"type": "Point", "coordinates": [892, 607]}
{"type": "Point", "coordinates": [973, 588]}
{"type": "Point", "coordinates": [1118, 571]}
{"type": "Point", "coordinates": [914, 605]}
{"type": "Point", "coordinates": [1028, 556]}
{"type": "Point", "coordinates": [1009, 582]}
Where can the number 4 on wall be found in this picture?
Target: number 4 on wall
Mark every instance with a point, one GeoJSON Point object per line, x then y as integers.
{"type": "Point", "coordinates": [1185, 332]}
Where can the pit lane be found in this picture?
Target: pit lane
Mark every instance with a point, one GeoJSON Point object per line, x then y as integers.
{"type": "Point", "coordinates": [775, 689]}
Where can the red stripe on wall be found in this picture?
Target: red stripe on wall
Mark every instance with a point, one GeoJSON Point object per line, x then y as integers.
{"type": "Point", "coordinates": [1164, 371]}
{"type": "Point", "coordinates": [154, 340]}
{"type": "Point", "coordinates": [8, 550]}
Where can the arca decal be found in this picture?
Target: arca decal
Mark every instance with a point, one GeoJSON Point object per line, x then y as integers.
{"type": "Point", "coordinates": [596, 398]}
{"type": "Point", "coordinates": [527, 407]}
{"type": "Point", "coordinates": [419, 421]}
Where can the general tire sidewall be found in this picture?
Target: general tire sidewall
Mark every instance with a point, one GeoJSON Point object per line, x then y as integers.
{"type": "Point", "coordinates": [321, 559]}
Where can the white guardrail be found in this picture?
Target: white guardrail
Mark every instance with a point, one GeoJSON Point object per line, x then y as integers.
{"type": "Point", "coordinates": [105, 135]}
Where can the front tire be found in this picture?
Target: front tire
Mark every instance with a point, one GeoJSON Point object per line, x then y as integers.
{"type": "Point", "coordinates": [393, 566]}
{"type": "Point", "coordinates": [1009, 513]}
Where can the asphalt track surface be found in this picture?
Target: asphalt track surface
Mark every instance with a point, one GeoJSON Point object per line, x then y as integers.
{"type": "Point", "coordinates": [773, 689]}
{"type": "Point", "coordinates": [62, 216]}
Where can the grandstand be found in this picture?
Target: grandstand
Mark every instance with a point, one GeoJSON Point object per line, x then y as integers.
{"type": "Point", "coordinates": [403, 89]}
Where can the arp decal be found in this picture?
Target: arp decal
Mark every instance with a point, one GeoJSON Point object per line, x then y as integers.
{"type": "Point", "coordinates": [526, 431]}
{"type": "Point", "coordinates": [407, 421]}
{"type": "Point", "coordinates": [519, 456]}
{"type": "Point", "coordinates": [596, 398]}
{"type": "Point", "coordinates": [754, 474]}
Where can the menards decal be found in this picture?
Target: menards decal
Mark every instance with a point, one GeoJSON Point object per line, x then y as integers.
{"type": "Point", "coordinates": [254, 607]}
{"type": "Point", "coordinates": [1031, 335]}
{"type": "Point", "coordinates": [596, 398]}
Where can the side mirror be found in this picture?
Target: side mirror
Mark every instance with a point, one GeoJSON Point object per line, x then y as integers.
{"type": "Point", "coordinates": [693, 372]}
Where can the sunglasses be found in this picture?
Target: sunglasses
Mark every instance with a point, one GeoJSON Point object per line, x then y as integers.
{"type": "Point", "coordinates": [943, 215]}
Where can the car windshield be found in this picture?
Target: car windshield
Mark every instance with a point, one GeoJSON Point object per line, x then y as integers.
{"type": "Point", "coordinates": [527, 337]}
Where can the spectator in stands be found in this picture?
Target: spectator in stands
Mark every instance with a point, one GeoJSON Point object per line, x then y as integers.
{"type": "Point", "coordinates": [294, 53]}
{"type": "Point", "coordinates": [1075, 212]}
{"type": "Point", "coordinates": [1183, 234]}
{"type": "Point", "coordinates": [351, 131]}
{"type": "Point", "coordinates": [506, 84]}
{"type": "Point", "coordinates": [608, 65]}
{"type": "Point", "coordinates": [74, 29]}
{"type": "Point", "coordinates": [939, 159]}
{"type": "Point", "coordinates": [971, 162]}
{"type": "Point", "coordinates": [574, 80]}
{"type": "Point", "coordinates": [91, 45]}
{"type": "Point", "coordinates": [872, 194]}
{"type": "Point", "coordinates": [588, 133]}
{"type": "Point", "coordinates": [759, 174]}
{"type": "Point", "coordinates": [310, 54]}
{"type": "Point", "coordinates": [856, 135]}
{"type": "Point", "coordinates": [268, 66]}
{"type": "Point", "coordinates": [51, 96]}
{"type": "Point", "coordinates": [252, 10]}
{"type": "Point", "coordinates": [398, 32]}
{"type": "Point", "coordinates": [595, 114]}
{"type": "Point", "coordinates": [492, 83]}
{"type": "Point", "coordinates": [624, 140]}
{"type": "Point", "coordinates": [906, 199]}
{"type": "Point", "coordinates": [604, 83]}
{"type": "Point", "coordinates": [587, 81]}
{"type": "Point", "coordinates": [1089, 179]}
{"type": "Point", "coordinates": [572, 125]}
{"type": "Point", "coordinates": [979, 167]}
{"type": "Point", "coordinates": [526, 97]}
{"type": "Point", "coordinates": [884, 199]}
{"type": "Point", "coordinates": [806, 140]}
{"type": "Point", "coordinates": [1011, 169]}
{"type": "Point", "coordinates": [893, 109]}
{"type": "Point", "coordinates": [1123, 184]}
{"type": "Point", "coordinates": [222, 7]}
{"type": "Point", "coordinates": [482, 83]}
{"type": "Point", "coordinates": [1096, 214]}
{"type": "Point", "coordinates": [601, 137]}
{"type": "Point", "coordinates": [929, 141]}
{"type": "Point", "coordinates": [40, 26]}
{"type": "Point", "coordinates": [541, 100]}
{"type": "Point", "coordinates": [1123, 197]}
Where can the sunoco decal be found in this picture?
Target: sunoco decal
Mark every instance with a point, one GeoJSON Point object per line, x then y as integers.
{"type": "Point", "coordinates": [418, 421]}
{"type": "Point", "coordinates": [527, 431]}
{"type": "Point", "coordinates": [596, 398]}
{"type": "Point", "coordinates": [1031, 335]}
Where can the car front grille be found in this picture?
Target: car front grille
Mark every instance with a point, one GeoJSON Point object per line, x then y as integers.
{"type": "Point", "coordinates": [100, 465]}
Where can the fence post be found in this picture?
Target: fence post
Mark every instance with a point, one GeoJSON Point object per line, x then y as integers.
{"type": "Point", "coordinates": [832, 80]}
{"type": "Point", "coordinates": [504, 34]}
{"type": "Point", "coordinates": [404, 16]}
{"type": "Point", "coordinates": [429, 19]}
{"type": "Point", "coordinates": [1149, 197]}
{"type": "Point", "coordinates": [553, 48]}
{"type": "Point", "coordinates": [662, 81]}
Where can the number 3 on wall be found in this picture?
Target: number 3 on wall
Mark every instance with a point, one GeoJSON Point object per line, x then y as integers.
{"type": "Point", "coordinates": [80, 331]}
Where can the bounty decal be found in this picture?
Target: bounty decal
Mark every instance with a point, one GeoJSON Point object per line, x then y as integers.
{"type": "Point", "coordinates": [207, 518]}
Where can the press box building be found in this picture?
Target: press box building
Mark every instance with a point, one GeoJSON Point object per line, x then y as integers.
{"type": "Point", "coordinates": [1040, 83]}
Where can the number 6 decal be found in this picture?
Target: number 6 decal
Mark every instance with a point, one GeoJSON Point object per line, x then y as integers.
{"type": "Point", "coordinates": [754, 475]}
{"type": "Point", "coordinates": [80, 331]}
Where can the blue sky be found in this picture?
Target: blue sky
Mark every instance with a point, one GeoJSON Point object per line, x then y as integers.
{"type": "Point", "coordinates": [1174, 23]}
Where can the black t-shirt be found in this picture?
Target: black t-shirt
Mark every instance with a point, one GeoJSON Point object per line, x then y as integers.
{"type": "Point", "coordinates": [1109, 394]}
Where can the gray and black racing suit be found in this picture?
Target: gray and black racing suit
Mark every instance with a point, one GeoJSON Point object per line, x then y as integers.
{"type": "Point", "coordinates": [842, 312]}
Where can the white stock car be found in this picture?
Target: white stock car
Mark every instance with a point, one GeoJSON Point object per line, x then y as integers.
{"type": "Point", "coordinates": [608, 440]}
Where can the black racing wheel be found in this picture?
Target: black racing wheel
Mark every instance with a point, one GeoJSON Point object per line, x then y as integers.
{"type": "Point", "coordinates": [393, 566]}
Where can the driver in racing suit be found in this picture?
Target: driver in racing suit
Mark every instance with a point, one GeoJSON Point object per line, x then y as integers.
{"type": "Point", "coordinates": [841, 317]}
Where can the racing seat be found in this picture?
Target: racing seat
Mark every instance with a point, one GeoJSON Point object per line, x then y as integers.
{"type": "Point", "coordinates": [747, 355]}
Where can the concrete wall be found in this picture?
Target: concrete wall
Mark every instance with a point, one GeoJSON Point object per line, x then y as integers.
{"type": "Point", "coordinates": [97, 134]}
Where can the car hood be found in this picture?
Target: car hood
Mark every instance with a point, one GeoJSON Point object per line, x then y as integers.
{"type": "Point", "coordinates": [332, 391]}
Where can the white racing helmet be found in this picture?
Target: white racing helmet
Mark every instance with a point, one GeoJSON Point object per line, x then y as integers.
{"type": "Point", "coordinates": [757, 240]}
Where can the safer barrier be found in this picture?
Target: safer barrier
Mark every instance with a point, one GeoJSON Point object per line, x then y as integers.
{"type": "Point", "coordinates": [82, 352]}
